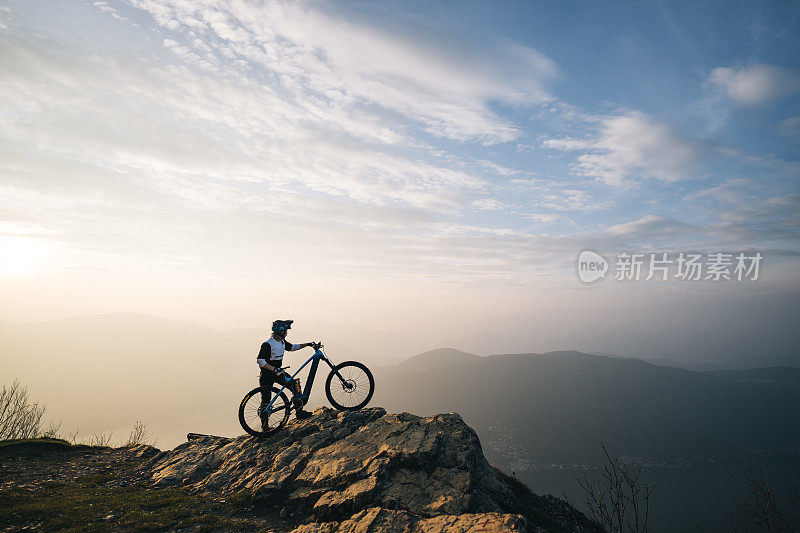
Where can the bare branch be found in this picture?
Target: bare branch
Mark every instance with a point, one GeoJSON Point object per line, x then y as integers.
{"type": "Point", "coordinates": [19, 417]}
{"type": "Point", "coordinates": [618, 491]}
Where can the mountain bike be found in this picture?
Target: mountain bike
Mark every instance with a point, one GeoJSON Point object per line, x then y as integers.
{"type": "Point", "coordinates": [349, 387]}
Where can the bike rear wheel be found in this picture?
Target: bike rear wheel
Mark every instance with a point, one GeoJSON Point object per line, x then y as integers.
{"type": "Point", "coordinates": [259, 423]}
{"type": "Point", "coordinates": [349, 386]}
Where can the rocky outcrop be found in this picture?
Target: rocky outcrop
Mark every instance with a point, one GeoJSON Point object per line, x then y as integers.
{"type": "Point", "coordinates": [391, 521]}
{"type": "Point", "coordinates": [368, 470]}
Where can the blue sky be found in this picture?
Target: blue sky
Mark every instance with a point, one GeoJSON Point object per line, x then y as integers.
{"type": "Point", "coordinates": [387, 147]}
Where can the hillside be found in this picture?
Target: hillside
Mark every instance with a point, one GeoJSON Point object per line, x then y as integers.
{"type": "Point", "coordinates": [335, 471]}
{"type": "Point", "coordinates": [439, 358]}
{"type": "Point", "coordinates": [557, 407]}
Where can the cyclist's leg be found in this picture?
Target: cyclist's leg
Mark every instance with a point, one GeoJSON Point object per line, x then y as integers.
{"type": "Point", "coordinates": [297, 400]}
{"type": "Point", "coordinates": [291, 386]}
{"type": "Point", "coordinates": [294, 387]}
{"type": "Point", "coordinates": [266, 379]}
{"type": "Point", "coordinates": [296, 390]}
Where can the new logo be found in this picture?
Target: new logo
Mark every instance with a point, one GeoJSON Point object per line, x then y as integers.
{"type": "Point", "coordinates": [591, 266]}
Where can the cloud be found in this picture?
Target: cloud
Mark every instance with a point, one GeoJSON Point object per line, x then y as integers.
{"type": "Point", "coordinates": [554, 196]}
{"type": "Point", "coordinates": [223, 141]}
{"type": "Point", "coordinates": [790, 128]}
{"type": "Point", "coordinates": [652, 227]}
{"type": "Point", "coordinates": [169, 164]}
{"type": "Point", "coordinates": [567, 144]}
{"type": "Point", "coordinates": [319, 58]}
{"type": "Point", "coordinates": [631, 147]}
{"type": "Point", "coordinates": [739, 192]}
{"type": "Point", "coordinates": [570, 200]}
{"type": "Point", "coordinates": [755, 84]}
{"type": "Point", "coordinates": [783, 209]}
{"type": "Point", "coordinates": [542, 218]}
{"type": "Point", "coordinates": [770, 220]}
{"type": "Point", "coordinates": [127, 164]}
{"type": "Point", "coordinates": [499, 169]}
{"type": "Point", "coordinates": [491, 204]}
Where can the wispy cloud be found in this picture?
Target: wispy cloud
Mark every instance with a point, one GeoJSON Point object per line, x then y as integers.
{"type": "Point", "coordinates": [755, 84]}
{"type": "Point", "coordinates": [790, 127]}
{"type": "Point", "coordinates": [219, 145]}
{"type": "Point", "coordinates": [105, 8]}
{"type": "Point", "coordinates": [219, 141]}
{"type": "Point", "coordinates": [325, 62]}
{"type": "Point", "coordinates": [651, 227]}
{"type": "Point", "coordinates": [632, 147]}
{"type": "Point", "coordinates": [491, 204]}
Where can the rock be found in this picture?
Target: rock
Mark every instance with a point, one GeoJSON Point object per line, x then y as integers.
{"type": "Point", "coordinates": [391, 521]}
{"type": "Point", "coordinates": [427, 473]}
{"type": "Point", "coordinates": [144, 451]}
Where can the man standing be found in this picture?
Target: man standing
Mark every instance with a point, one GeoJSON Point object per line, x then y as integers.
{"type": "Point", "coordinates": [270, 359]}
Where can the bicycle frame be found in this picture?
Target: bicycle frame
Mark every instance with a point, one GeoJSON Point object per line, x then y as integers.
{"type": "Point", "coordinates": [314, 360]}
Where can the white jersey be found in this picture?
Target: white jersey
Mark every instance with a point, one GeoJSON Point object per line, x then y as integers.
{"type": "Point", "coordinates": [272, 351]}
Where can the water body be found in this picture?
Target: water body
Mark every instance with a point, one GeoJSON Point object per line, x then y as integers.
{"type": "Point", "coordinates": [686, 499]}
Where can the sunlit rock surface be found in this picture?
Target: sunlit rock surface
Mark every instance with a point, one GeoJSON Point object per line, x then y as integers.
{"type": "Point", "coordinates": [369, 470]}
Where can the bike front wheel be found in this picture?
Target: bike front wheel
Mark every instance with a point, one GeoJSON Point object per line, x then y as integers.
{"type": "Point", "coordinates": [349, 386]}
{"type": "Point", "coordinates": [255, 419]}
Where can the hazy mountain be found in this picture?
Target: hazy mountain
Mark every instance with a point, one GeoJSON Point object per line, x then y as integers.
{"type": "Point", "coordinates": [438, 358]}
{"type": "Point", "coordinates": [774, 379]}
{"type": "Point", "coordinates": [558, 406]}
{"type": "Point", "coordinates": [745, 331]}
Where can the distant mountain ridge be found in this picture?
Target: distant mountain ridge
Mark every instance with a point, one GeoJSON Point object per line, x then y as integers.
{"type": "Point", "coordinates": [560, 405]}
{"type": "Point", "coordinates": [439, 358]}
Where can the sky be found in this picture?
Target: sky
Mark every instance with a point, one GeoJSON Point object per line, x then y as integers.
{"type": "Point", "coordinates": [429, 168]}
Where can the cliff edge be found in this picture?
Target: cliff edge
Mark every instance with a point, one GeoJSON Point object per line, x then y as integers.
{"type": "Point", "coordinates": [366, 471]}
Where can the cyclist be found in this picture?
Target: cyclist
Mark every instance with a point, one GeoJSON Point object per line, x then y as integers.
{"type": "Point", "coordinates": [270, 359]}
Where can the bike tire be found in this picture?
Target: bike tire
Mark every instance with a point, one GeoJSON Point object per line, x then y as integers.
{"type": "Point", "coordinates": [359, 376]}
{"type": "Point", "coordinates": [251, 420]}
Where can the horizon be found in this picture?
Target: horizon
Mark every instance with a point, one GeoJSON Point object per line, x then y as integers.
{"type": "Point", "coordinates": [722, 348]}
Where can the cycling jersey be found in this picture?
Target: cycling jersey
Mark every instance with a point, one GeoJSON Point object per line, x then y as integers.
{"type": "Point", "coordinates": [272, 352]}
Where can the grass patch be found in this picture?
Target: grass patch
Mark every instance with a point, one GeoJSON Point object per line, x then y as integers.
{"type": "Point", "coordinates": [34, 442]}
{"type": "Point", "coordinates": [89, 505]}
{"type": "Point", "coordinates": [243, 500]}
{"type": "Point", "coordinates": [107, 497]}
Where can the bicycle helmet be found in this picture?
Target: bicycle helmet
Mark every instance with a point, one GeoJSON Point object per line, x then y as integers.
{"type": "Point", "coordinates": [280, 326]}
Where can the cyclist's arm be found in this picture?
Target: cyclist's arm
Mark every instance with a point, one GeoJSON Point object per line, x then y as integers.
{"type": "Point", "coordinates": [293, 347]}
{"type": "Point", "coordinates": [263, 364]}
